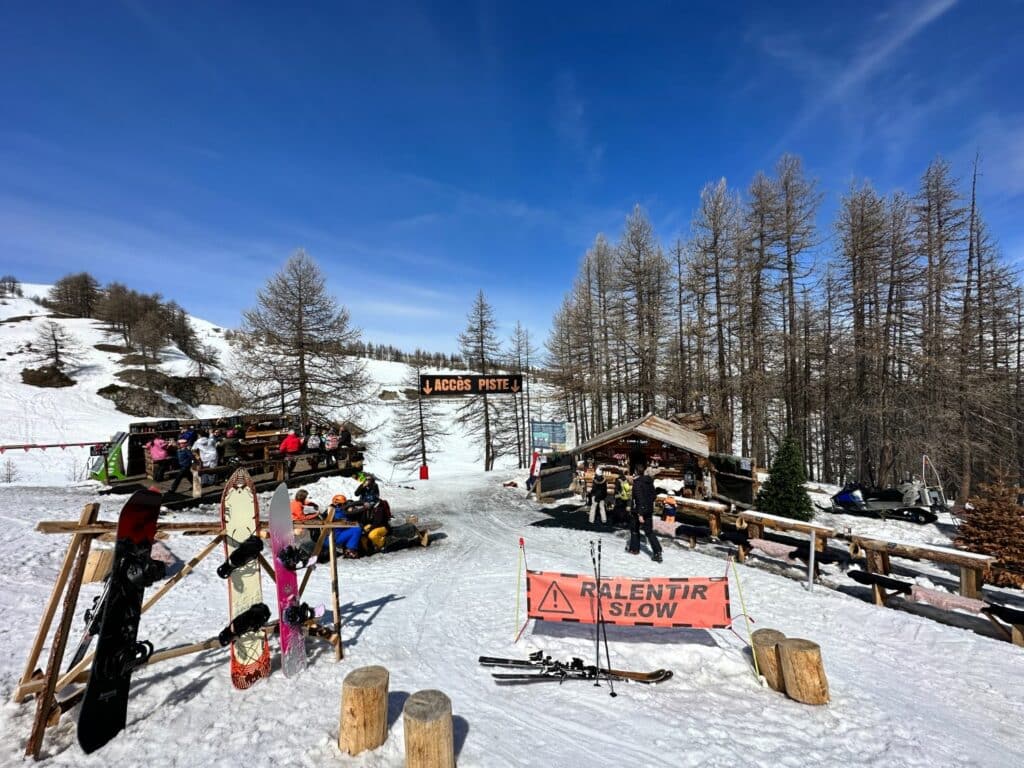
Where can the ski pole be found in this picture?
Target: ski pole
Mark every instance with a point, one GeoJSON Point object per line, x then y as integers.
{"type": "Point", "coordinates": [746, 618]}
{"type": "Point", "coordinates": [597, 619]}
{"type": "Point", "coordinates": [604, 625]}
{"type": "Point", "coordinates": [519, 584]}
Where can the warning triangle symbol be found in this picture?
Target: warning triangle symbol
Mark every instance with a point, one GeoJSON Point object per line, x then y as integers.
{"type": "Point", "coordinates": [555, 601]}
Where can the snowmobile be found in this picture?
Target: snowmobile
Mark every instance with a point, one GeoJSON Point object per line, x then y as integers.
{"type": "Point", "coordinates": [914, 502]}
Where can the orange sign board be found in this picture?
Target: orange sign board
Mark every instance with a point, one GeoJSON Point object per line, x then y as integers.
{"type": "Point", "coordinates": [700, 603]}
{"type": "Point", "coordinates": [470, 384]}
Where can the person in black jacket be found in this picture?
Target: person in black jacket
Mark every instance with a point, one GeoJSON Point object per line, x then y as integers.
{"type": "Point", "coordinates": [184, 459]}
{"type": "Point", "coordinates": [643, 510]}
{"type": "Point", "coordinates": [598, 494]}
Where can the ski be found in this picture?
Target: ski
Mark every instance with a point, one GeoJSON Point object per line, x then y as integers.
{"type": "Point", "coordinates": [547, 670]}
{"type": "Point", "coordinates": [563, 674]}
{"type": "Point", "coordinates": [245, 553]}
{"type": "Point", "coordinates": [104, 708]}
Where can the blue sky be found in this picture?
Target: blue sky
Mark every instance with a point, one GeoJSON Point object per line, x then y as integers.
{"type": "Point", "coordinates": [420, 152]}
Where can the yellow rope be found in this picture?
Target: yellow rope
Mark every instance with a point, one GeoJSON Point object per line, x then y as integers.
{"type": "Point", "coordinates": [743, 607]}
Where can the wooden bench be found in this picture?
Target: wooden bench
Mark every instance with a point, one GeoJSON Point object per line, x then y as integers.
{"type": "Point", "coordinates": [712, 511]}
{"type": "Point", "coordinates": [972, 566]}
{"type": "Point", "coordinates": [755, 524]}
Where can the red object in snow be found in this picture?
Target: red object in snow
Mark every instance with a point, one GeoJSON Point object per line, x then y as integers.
{"type": "Point", "coordinates": [424, 473]}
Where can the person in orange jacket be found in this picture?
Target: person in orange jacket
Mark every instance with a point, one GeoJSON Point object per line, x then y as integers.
{"type": "Point", "coordinates": [300, 514]}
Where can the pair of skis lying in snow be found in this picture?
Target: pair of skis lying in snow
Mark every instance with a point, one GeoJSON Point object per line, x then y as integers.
{"type": "Point", "coordinates": [544, 669]}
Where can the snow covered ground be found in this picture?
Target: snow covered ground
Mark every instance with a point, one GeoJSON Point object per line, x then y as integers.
{"type": "Point", "coordinates": [906, 691]}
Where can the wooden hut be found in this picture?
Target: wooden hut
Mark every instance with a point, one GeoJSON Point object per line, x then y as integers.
{"type": "Point", "coordinates": [678, 452]}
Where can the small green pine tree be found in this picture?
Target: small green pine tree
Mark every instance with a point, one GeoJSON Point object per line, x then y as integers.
{"type": "Point", "coordinates": [784, 494]}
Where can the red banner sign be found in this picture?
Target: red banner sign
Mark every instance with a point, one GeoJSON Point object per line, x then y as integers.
{"type": "Point", "coordinates": [700, 603]}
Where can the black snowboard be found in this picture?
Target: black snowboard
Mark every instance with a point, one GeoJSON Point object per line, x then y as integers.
{"type": "Point", "coordinates": [105, 705]}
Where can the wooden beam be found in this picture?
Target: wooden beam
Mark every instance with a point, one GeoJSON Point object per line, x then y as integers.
{"type": "Point", "coordinates": [185, 571]}
{"type": "Point", "coordinates": [44, 702]}
{"type": "Point", "coordinates": [971, 580]}
{"type": "Point", "coordinates": [930, 552]}
{"type": "Point", "coordinates": [339, 652]}
{"type": "Point", "coordinates": [88, 516]}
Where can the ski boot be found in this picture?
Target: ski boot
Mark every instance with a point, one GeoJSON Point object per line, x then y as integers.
{"type": "Point", "coordinates": [656, 557]}
{"type": "Point", "coordinates": [250, 621]}
{"type": "Point", "coordinates": [246, 552]}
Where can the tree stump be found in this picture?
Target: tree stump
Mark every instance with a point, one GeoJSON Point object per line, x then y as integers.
{"type": "Point", "coordinates": [802, 671]}
{"type": "Point", "coordinates": [766, 651]}
{"type": "Point", "coordinates": [364, 710]}
{"type": "Point", "coordinates": [429, 741]}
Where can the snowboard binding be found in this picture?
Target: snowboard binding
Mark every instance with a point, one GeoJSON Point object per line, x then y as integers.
{"type": "Point", "coordinates": [293, 558]}
{"type": "Point", "coordinates": [142, 573]}
{"type": "Point", "coordinates": [249, 621]}
{"type": "Point", "coordinates": [127, 658]}
{"type": "Point", "coordinates": [245, 553]}
{"type": "Point", "coordinates": [299, 614]}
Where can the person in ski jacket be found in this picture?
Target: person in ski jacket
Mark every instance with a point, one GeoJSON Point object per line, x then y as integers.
{"type": "Point", "coordinates": [643, 512]}
{"type": "Point", "coordinates": [376, 524]}
{"type": "Point", "coordinates": [230, 445]}
{"type": "Point", "coordinates": [184, 459]}
{"type": "Point", "coordinates": [291, 445]}
{"type": "Point", "coordinates": [158, 454]}
{"type": "Point", "coordinates": [368, 491]}
{"type": "Point", "coordinates": [303, 510]}
{"type": "Point", "coordinates": [345, 538]}
{"type": "Point", "coordinates": [315, 444]}
{"type": "Point", "coordinates": [623, 494]}
{"type": "Point", "coordinates": [598, 494]}
{"type": "Point", "coordinates": [300, 505]}
{"type": "Point", "coordinates": [344, 437]}
{"type": "Point", "coordinates": [207, 447]}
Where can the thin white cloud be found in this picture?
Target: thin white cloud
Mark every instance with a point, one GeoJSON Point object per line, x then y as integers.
{"type": "Point", "coordinates": [834, 86]}
{"type": "Point", "coordinates": [573, 125]}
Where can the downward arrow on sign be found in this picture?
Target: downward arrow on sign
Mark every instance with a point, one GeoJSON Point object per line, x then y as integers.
{"type": "Point", "coordinates": [427, 389]}
{"type": "Point", "coordinates": [515, 386]}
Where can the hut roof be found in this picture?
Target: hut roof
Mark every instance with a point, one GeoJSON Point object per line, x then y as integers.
{"type": "Point", "coordinates": [654, 428]}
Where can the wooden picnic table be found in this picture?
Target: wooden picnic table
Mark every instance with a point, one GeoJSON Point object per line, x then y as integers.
{"type": "Point", "coordinates": [972, 565]}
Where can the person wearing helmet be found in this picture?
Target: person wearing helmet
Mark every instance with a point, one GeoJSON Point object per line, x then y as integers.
{"type": "Point", "coordinates": [345, 538]}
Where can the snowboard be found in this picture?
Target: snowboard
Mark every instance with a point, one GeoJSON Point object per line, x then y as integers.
{"type": "Point", "coordinates": [104, 709]}
{"type": "Point", "coordinates": [239, 511]}
{"type": "Point", "coordinates": [282, 536]}
{"type": "Point", "coordinates": [886, 582]}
